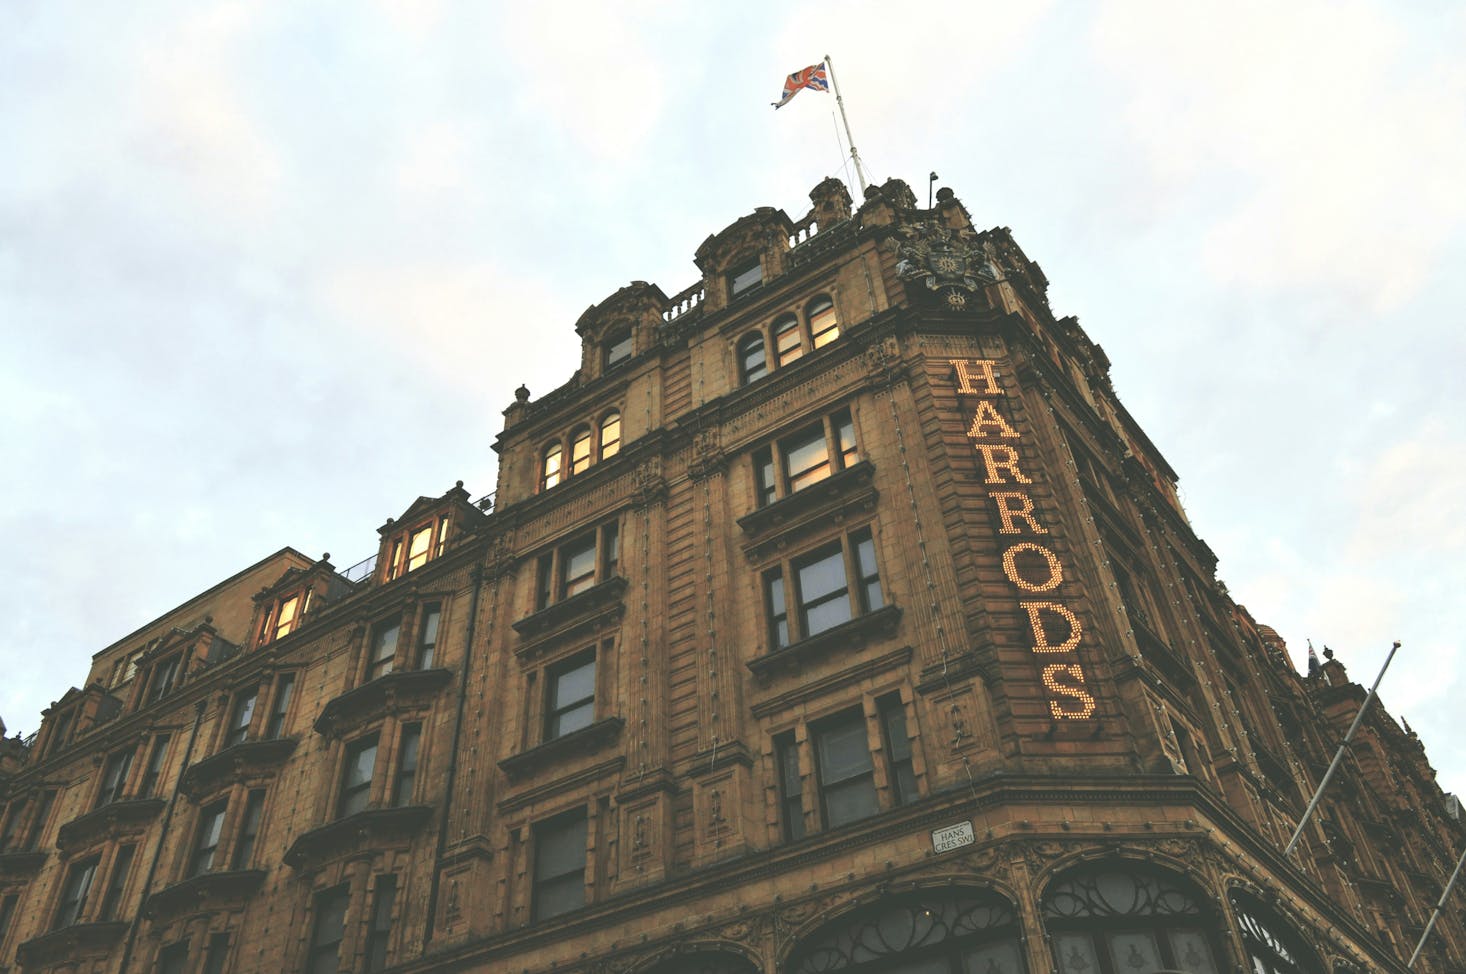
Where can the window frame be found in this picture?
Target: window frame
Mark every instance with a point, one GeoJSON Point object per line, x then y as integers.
{"type": "Point", "coordinates": [241, 716]}
{"type": "Point", "coordinates": [76, 888]}
{"type": "Point", "coordinates": [379, 661]}
{"type": "Point", "coordinates": [552, 581]}
{"type": "Point", "coordinates": [405, 555]}
{"type": "Point", "coordinates": [165, 677]}
{"type": "Point", "coordinates": [379, 922]}
{"type": "Point", "coordinates": [208, 837]}
{"type": "Point", "coordinates": [338, 900]}
{"type": "Point", "coordinates": [786, 606]}
{"type": "Point", "coordinates": [618, 348]}
{"type": "Point", "coordinates": [282, 694]}
{"type": "Point", "coordinates": [347, 801]}
{"type": "Point", "coordinates": [429, 624]}
{"type": "Point", "coordinates": [117, 881]}
{"type": "Point", "coordinates": [157, 763]}
{"type": "Point", "coordinates": [573, 663]}
{"type": "Point", "coordinates": [773, 477]}
{"type": "Point", "coordinates": [248, 831]}
{"type": "Point", "coordinates": [744, 277]}
{"type": "Point", "coordinates": [114, 778]}
{"type": "Point", "coordinates": [566, 827]}
{"type": "Point", "coordinates": [748, 346]}
{"type": "Point", "coordinates": [408, 762]}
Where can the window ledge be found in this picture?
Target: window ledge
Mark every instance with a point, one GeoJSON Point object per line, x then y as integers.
{"type": "Point", "coordinates": [68, 943]}
{"type": "Point", "coordinates": [587, 740]}
{"type": "Point", "coordinates": [109, 820]}
{"type": "Point", "coordinates": [597, 606]}
{"type": "Point", "coordinates": [345, 835]}
{"type": "Point", "coordinates": [233, 764]}
{"type": "Point", "coordinates": [854, 633]}
{"type": "Point", "coordinates": [21, 863]}
{"type": "Point", "coordinates": [849, 493]}
{"type": "Point", "coordinates": [202, 892]}
{"type": "Point", "coordinates": [397, 689]}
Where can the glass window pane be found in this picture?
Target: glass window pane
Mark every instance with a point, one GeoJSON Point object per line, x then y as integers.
{"type": "Point", "coordinates": [575, 684]}
{"type": "Point", "coordinates": [822, 577]}
{"type": "Point", "coordinates": [1193, 954]}
{"type": "Point", "coordinates": [1135, 952]}
{"type": "Point", "coordinates": [551, 467]}
{"type": "Point", "coordinates": [1075, 954]}
{"type": "Point", "coordinates": [619, 349]}
{"type": "Point", "coordinates": [744, 278]}
{"type": "Point", "coordinates": [843, 750]}
{"type": "Point", "coordinates": [754, 362]}
{"type": "Point", "coordinates": [417, 548]}
{"type": "Point", "coordinates": [822, 324]}
{"type": "Point", "coordinates": [578, 568]}
{"type": "Point", "coordinates": [826, 615]}
{"type": "Point", "coordinates": [806, 459]}
{"type": "Point", "coordinates": [580, 452]}
{"type": "Point", "coordinates": [610, 436]}
{"type": "Point", "coordinates": [850, 801]}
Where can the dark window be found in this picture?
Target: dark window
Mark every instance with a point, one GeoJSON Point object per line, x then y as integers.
{"type": "Point", "coordinates": [791, 788]}
{"type": "Point", "coordinates": [898, 749]}
{"type": "Point", "coordinates": [805, 458]}
{"type": "Point", "coordinates": [384, 897]}
{"type": "Point", "coordinates": [74, 893]}
{"type": "Point", "coordinates": [114, 778]}
{"type": "Point", "coordinates": [241, 716]}
{"type": "Point", "coordinates": [822, 595]}
{"type": "Point", "coordinates": [577, 565]}
{"type": "Point", "coordinates": [823, 326]}
{"type": "Point", "coordinates": [384, 649]}
{"type": "Point", "coordinates": [165, 676]}
{"type": "Point", "coordinates": [61, 731]}
{"type": "Point", "coordinates": [356, 782]}
{"type": "Point", "coordinates": [217, 954]}
{"type": "Point", "coordinates": [12, 824]}
{"type": "Point", "coordinates": [249, 829]}
{"type": "Point", "coordinates": [154, 771]}
{"type": "Point", "coordinates": [948, 931]}
{"type": "Point", "coordinates": [7, 910]}
{"type": "Point", "coordinates": [39, 821]}
{"type": "Point", "coordinates": [787, 344]}
{"type": "Point", "coordinates": [173, 959]}
{"type": "Point", "coordinates": [846, 775]}
{"type": "Point", "coordinates": [572, 696]}
{"type": "Point", "coordinates": [121, 866]}
{"type": "Point", "coordinates": [1108, 920]}
{"type": "Point", "coordinates": [1272, 946]}
{"type": "Point", "coordinates": [550, 468]}
{"type": "Point", "coordinates": [745, 277]}
{"type": "Point", "coordinates": [284, 689]}
{"type": "Point", "coordinates": [753, 362]}
{"type": "Point", "coordinates": [328, 930]}
{"type": "Point", "coordinates": [211, 826]}
{"type": "Point", "coordinates": [407, 754]}
{"type": "Point", "coordinates": [427, 636]}
{"type": "Point", "coordinates": [618, 349]}
{"type": "Point", "coordinates": [559, 865]}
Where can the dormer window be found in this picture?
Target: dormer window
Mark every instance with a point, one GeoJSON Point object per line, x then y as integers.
{"type": "Point", "coordinates": [165, 678]}
{"type": "Point", "coordinates": [618, 348]}
{"type": "Point", "coordinates": [745, 277]}
{"type": "Point", "coordinates": [284, 616]}
{"type": "Point", "coordinates": [418, 546]}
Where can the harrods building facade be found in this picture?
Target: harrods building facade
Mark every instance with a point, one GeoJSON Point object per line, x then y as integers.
{"type": "Point", "coordinates": [833, 616]}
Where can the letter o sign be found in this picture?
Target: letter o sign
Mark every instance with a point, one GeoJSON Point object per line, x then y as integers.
{"type": "Point", "coordinates": [1010, 568]}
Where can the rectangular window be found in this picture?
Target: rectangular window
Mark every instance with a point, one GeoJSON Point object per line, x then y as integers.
{"type": "Point", "coordinates": [384, 649]}
{"type": "Point", "coordinates": [165, 677]}
{"type": "Point", "coordinates": [154, 772]}
{"type": "Point", "coordinates": [578, 565]}
{"type": "Point", "coordinates": [74, 893]}
{"type": "Point", "coordinates": [241, 717]}
{"type": "Point", "coordinates": [394, 564]}
{"type": "Point", "coordinates": [11, 826]}
{"type": "Point", "coordinates": [39, 821]}
{"type": "Point", "coordinates": [442, 536]}
{"type": "Point", "coordinates": [791, 788]}
{"type": "Point", "coordinates": [427, 636]}
{"type": "Point", "coordinates": [114, 778]}
{"type": "Point", "coordinates": [822, 595]}
{"type": "Point", "coordinates": [211, 826]}
{"type": "Point", "coordinates": [409, 745]}
{"type": "Point", "coordinates": [121, 866]}
{"type": "Point", "coordinates": [60, 733]}
{"type": "Point", "coordinates": [173, 959]}
{"type": "Point", "coordinates": [284, 689]}
{"type": "Point", "coordinates": [618, 349]}
{"type": "Point", "coordinates": [898, 749]}
{"type": "Point", "coordinates": [249, 829]}
{"type": "Point", "coordinates": [805, 458]}
{"type": "Point", "coordinates": [559, 865]}
{"type": "Point", "coordinates": [7, 910]}
{"type": "Point", "coordinates": [745, 277]}
{"type": "Point", "coordinates": [384, 897]}
{"type": "Point", "coordinates": [286, 622]}
{"type": "Point", "coordinates": [419, 547]}
{"type": "Point", "coordinates": [217, 954]}
{"type": "Point", "coordinates": [356, 782]}
{"type": "Point", "coordinates": [571, 704]}
{"type": "Point", "coordinates": [328, 930]}
{"type": "Point", "coordinates": [846, 774]}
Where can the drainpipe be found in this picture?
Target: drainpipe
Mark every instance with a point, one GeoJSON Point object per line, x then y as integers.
{"type": "Point", "coordinates": [198, 718]}
{"type": "Point", "coordinates": [478, 584]}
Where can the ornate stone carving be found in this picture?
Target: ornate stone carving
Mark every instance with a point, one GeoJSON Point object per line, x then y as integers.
{"type": "Point", "coordinates": [954, 263]}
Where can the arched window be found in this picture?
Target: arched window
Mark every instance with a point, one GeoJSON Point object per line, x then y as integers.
{"type": "Point", "coordinates": [753, 364]}
{"type": "Point", "coordinates": [550, 469]}
{"type": "Point", "coordinates": [787, 346]}
{"type": "Point", "coordinates": [929, 932]}
{"type": "Point", "coordinates": [1272, 946]}
{"type": "Point", "coordinates": [610, 435]}
{"type": "Point", "coordinates": [823, 327]}
{"type": "Point", "coordinates": [580, 450]}
{"type": "Point", "coordinates": [1113, 918]}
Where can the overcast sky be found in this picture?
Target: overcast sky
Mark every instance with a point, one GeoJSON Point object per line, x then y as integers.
{"type": "Point", "coordinates": [270, 271]}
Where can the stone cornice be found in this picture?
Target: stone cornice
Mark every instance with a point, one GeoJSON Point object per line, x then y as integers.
{"type": "Point", "coordinates": [118, 818]}
{"type": "Point", "coordinates": [204, 892]}
{"type": "Point", "coordinates": [392, 826]}
{"type": "Point", "coordinates": [234, 764]}
{"type": "Point", "coordinates": [398, 690]}
{"type": "Point", "coordinates": [587, 740]}
{"type": "Point", "coordinates": [855, 633]}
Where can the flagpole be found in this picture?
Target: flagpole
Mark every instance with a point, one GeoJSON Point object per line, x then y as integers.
{"type": "Point", "coordinates": [1440, 904]}
{"type": "Point", "coordinates": [854, 155]}
{"type": "Point", "coordinates": [1338, 757]}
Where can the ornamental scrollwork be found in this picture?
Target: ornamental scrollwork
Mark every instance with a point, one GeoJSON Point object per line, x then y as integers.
{"type": "Point", "coordinates": [954, 263]}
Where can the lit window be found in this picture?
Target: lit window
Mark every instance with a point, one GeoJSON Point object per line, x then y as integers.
{"type": "Point", "coordinates": [745, 277]}
{"type": "Point", "coordinates": [610, 435]}
{"type": "Point", "coordinates": [822, 595]}
{"type": "Point", "coordinates": [823, 326]}
{"type": "Point", "coordinates": [753, 364]}
{"type": "Point", "coordinates": [577, 566]}
{"type": "Point", "coordinates": [787, 344]}
{"type": "Point", "coordinates": [356, 779]}
{"type": "Point", "coordinates": [427, 636]}
{"type": "Point", "coordinates": [241, 717]}
{"type": "Point", "coordinates": [559, 865]}
{"type": "Point", "coordinates": [74, 893]}
{"type": "Point", "coordinates": [114, 778]}
{"type": "Point", "coordinates": [249, 829]}
{"type": "Point", "coordinates": [419, 546]}
{"type": "Point", "coordinates": [805, 458]}
{"type": "Point", "coordinates": [286, 621]}
{"type": "Point", "coordinates": [211, 827]}
{"type": "Point", "coordinates": [328, 930]}
{"type": "Point", "coordinates": [571, 702]}
{"type": "Point", "coordinates": [384, 649]}
{"type": "Point", "coordinates": [580, 451]}
{"type": "Point", "coordinates": [618, 349]}
{"type": "Point", "coordinates": [550, 469]}
{"type": "Point", "coordinates": [121, 866]}
{"type": "Point", "coordinates": [408, 749]}
{"type": "Point", "coordinates": [384, 897]}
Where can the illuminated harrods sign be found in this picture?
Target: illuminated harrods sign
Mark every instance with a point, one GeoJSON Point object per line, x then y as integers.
{"type": "Point", "coordinates": [1028, 566]}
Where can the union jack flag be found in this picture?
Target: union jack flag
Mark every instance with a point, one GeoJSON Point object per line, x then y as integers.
{"type": "Point", "coordinates": [811, 77]}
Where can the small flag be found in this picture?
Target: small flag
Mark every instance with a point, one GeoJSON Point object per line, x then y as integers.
{"type": "Point", "coordinates": [1313, 664]}
{"type": "Point", "coordinates": [811, 77]}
